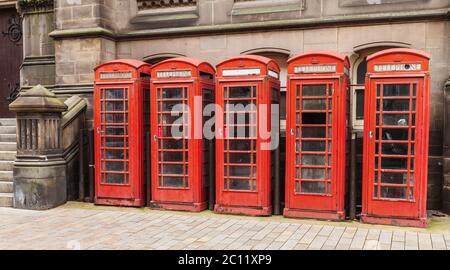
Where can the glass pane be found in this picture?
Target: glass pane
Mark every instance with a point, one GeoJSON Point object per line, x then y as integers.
{"type": "Point", "coordinates": [394, 178]}
{"type": "Point", "coordinates": [172, 156]}
{"type": "Point", "coordinates": [314, 104]}
{"type": "Point", "coordinates": [241, 158]}
{"type": "Point", "coordinates": [114, 94]}
{"type": "Point", "coordinates": [396, 105]}
{"type": "Point", "coordinates": [240, 92]}
{"type": "Point", "coordinates": [115, 106]}
{"type": "Point", "coordinates": [398, 134]}
{"type": "Point", "coordinates": [314, 132]}
{"type": "Point", "coordinates": [114, 166]}
{"type": "Point", "coordinates": [396, 90]}
{"type": "Point", "coordinates": [175, 182]}
{"type": "Point", "coordinates": [172, 93]}
{"type": "Point", "coordinates": [313, 174]}
{"type": "Point", "coordinates": [235, 184]}
{"type": "Point", "coordinates": [314, 160]}
{"type": "Point", "coordinates": [394, 163]}
{"type": "Point", "coordinates": [171, 144]}
{"type": "Point", "coordinates": [115, 178]}
{"type": "Point", "coordinates": [314, 118]}
{"type": "Point", "coordinates": [168, 106]}
{"type": "Point", "coordinates": [119, 130]}
{"type": "Point", "coordinates": [117, 118]}
{"type": "Point", "coordinates": [394, 149]}
{"type": "Point", "coordinates": [114, 154]}
{"type": "Point", "coordinates": [114, 142]}
{"type": "Point", "coordinates": [314, 90]}
{"type": "Point", "coordinates": [172, 168]}
{"type": "Point", "coordinates": [393, 192]}
{"type": "Point", "coordinates": [240, 145]}
{"type": "Point", "coordinates": [240, 171]}
{"type": "Point", "coordinates": [313, 187]}
{"type": "Point", "coordinates": [396, 119]}
{"type": "Point", "coordinates": [313, 146]}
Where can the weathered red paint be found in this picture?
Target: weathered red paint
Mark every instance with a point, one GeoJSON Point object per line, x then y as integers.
{"type": "Point", "coordinates": [317, 99]}
{"type": "Point", "coordinates": [179, 174]}
{"type": "Point", "coordinates": [243, 168]}
{"type": "Point", "coordinates": [118, 123]}
{"type": "Point", "coordinates": [396, 143]}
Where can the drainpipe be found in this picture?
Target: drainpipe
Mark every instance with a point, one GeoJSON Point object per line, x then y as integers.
{"type": "Point", "coordinates": [446, 144]}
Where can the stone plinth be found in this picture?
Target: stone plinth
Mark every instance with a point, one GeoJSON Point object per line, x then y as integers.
{"type": "Point", "coordinates": [39, 170]}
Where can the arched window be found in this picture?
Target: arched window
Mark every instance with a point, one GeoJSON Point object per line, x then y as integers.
{"type": "Point", "coordinates": [156, 58]}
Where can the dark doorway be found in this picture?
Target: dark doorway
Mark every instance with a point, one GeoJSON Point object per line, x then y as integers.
{"type": "Point", "coordinates": [11, 58]}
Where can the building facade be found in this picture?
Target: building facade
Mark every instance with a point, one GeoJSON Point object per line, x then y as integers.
{"type": "Point", "coordinates": [63, 40]}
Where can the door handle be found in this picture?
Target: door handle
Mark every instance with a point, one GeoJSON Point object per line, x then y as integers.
{"type": "Point", "coordinates": [292, 132]}
{"type": "Point", "coordinates": [155, 138]}
{"type": "Point", "coordinates": [371, 134]}
{"type": "Point", "coordinates": [99, 130]}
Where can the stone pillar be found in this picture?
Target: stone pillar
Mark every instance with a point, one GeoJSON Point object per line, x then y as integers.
{"type": "Point", "coordinates": [39, 170]}
{"type": "Point", "coordinates": [446, 187]}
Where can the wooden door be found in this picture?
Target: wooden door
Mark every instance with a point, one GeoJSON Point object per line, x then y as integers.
{"type": "Point", "coordinates": [11, 55]}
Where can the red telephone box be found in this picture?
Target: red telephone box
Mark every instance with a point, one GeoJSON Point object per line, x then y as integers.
{"type": "Point", "coordinates": [181, 88]}
{"type": "Point", "coordinates": [246, 88]}
{"type": "Point", "coordinates": [120, 86]}
{"type": "Point", "coordinates": [396, 138]}
{"type": "Point", "coordinates": [317, 132]}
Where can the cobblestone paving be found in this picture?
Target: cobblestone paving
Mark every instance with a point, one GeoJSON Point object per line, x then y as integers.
{"type": "Point", "coordinates": [102, 228]}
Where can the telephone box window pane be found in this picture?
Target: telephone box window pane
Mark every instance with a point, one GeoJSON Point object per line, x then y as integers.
{"type": "Point", "coordinates": [396, 105]}
{"type": "Point", "coordinates": [236, 184]}
{"type": "Point", "coordinates": [172, 169]}
{"type": "Point", "coordinates": [171, 144]}
{"type": "Point", "coordinates": [173, 182]}
{"type": "Point", "coordinates": [240, 171]}
{"type": "Point", "coordinates": [118, 130]}
{"type": "Point", "coordinates": [115, 94]}
{"type": "Point", "coordinates": [173, 106]}
{"type": "Point", "coordinates": [118, 118]}
{"type": "Point", "coordinates": [313, 146]}
{"type": "Point", "coordinates": [393, 192]}
{"type": "Point", "coordinates": [396, 90]}
{"type": "Point", "coordinates": [359, 104]}
{"type": "Point", "coordinates": [394, 149]}
{"type": "Point", "coordinates": [313, 160]}
{"type": "Point", "coordinates": [241, 158]}
{"type": "Point", "coordinates": [114, 154]}
{"type": "Point", "coordinates": [396, 120]}
{"type": "Point", "coordinates": [313, 187]}
{"type": "Point", "coordinates": [314, 118]}
{"type": "Point", "coordinates": [313, 174]}
{"type": "Point", "coordinates": [115, 142]}
{"type": "Point", "coordinates": [398, 134]}
{"type": "Point", "coordinates": [172, 93]}
{"type": "Point", "coordinates": [394, 163]}
{"type": "Point", "coordinates": [314, 104]}
{"type": "Point", "coordinates": [400, 178]}
{"type": "Point", "coordinates": [314, 90]}
{"type": "Point", "coordinates": [314, 132]}
{"type": "Point", "coordinates": [241, 145]}
{"type": "Point", "coordinates": [240, 92]}
{"type": "Point", "coordinates": [115, 178]}
{"type": "Point", "coordinates": [115, 106]}
{"type": "Point", "coordinates": [172, 156]}
{"type": "Point", "coordinates": [114, 166]}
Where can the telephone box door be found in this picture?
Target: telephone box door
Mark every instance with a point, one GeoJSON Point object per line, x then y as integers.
{"type": "Point", "coordinates": [312, 145]}
{"type": "Point", "coordinates": [112, 139]}
{"type": "Point", "coordinates": [394, 145]}
{"type": "Point", "coordinates": [240, 185]}
{"type": "Point", "coordinates": [170, 127]}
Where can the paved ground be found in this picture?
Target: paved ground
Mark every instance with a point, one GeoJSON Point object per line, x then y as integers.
{"type": "Point", "coordinates": [83, 226]}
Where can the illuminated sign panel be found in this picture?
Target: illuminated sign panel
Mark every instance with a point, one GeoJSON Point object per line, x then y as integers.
{"type": "Point", "coordinates": [241, 72]}
{"type": "Point", "coordinates": [315, 69]}
{"type": "Point", "coordinates": [273, 74]}
{"type": "Point", "coordinates": [397, 67]}
{"type": "Point", "coordinates": [174, 74]}
{"type": "Point", "coordinates": [115, 75]}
